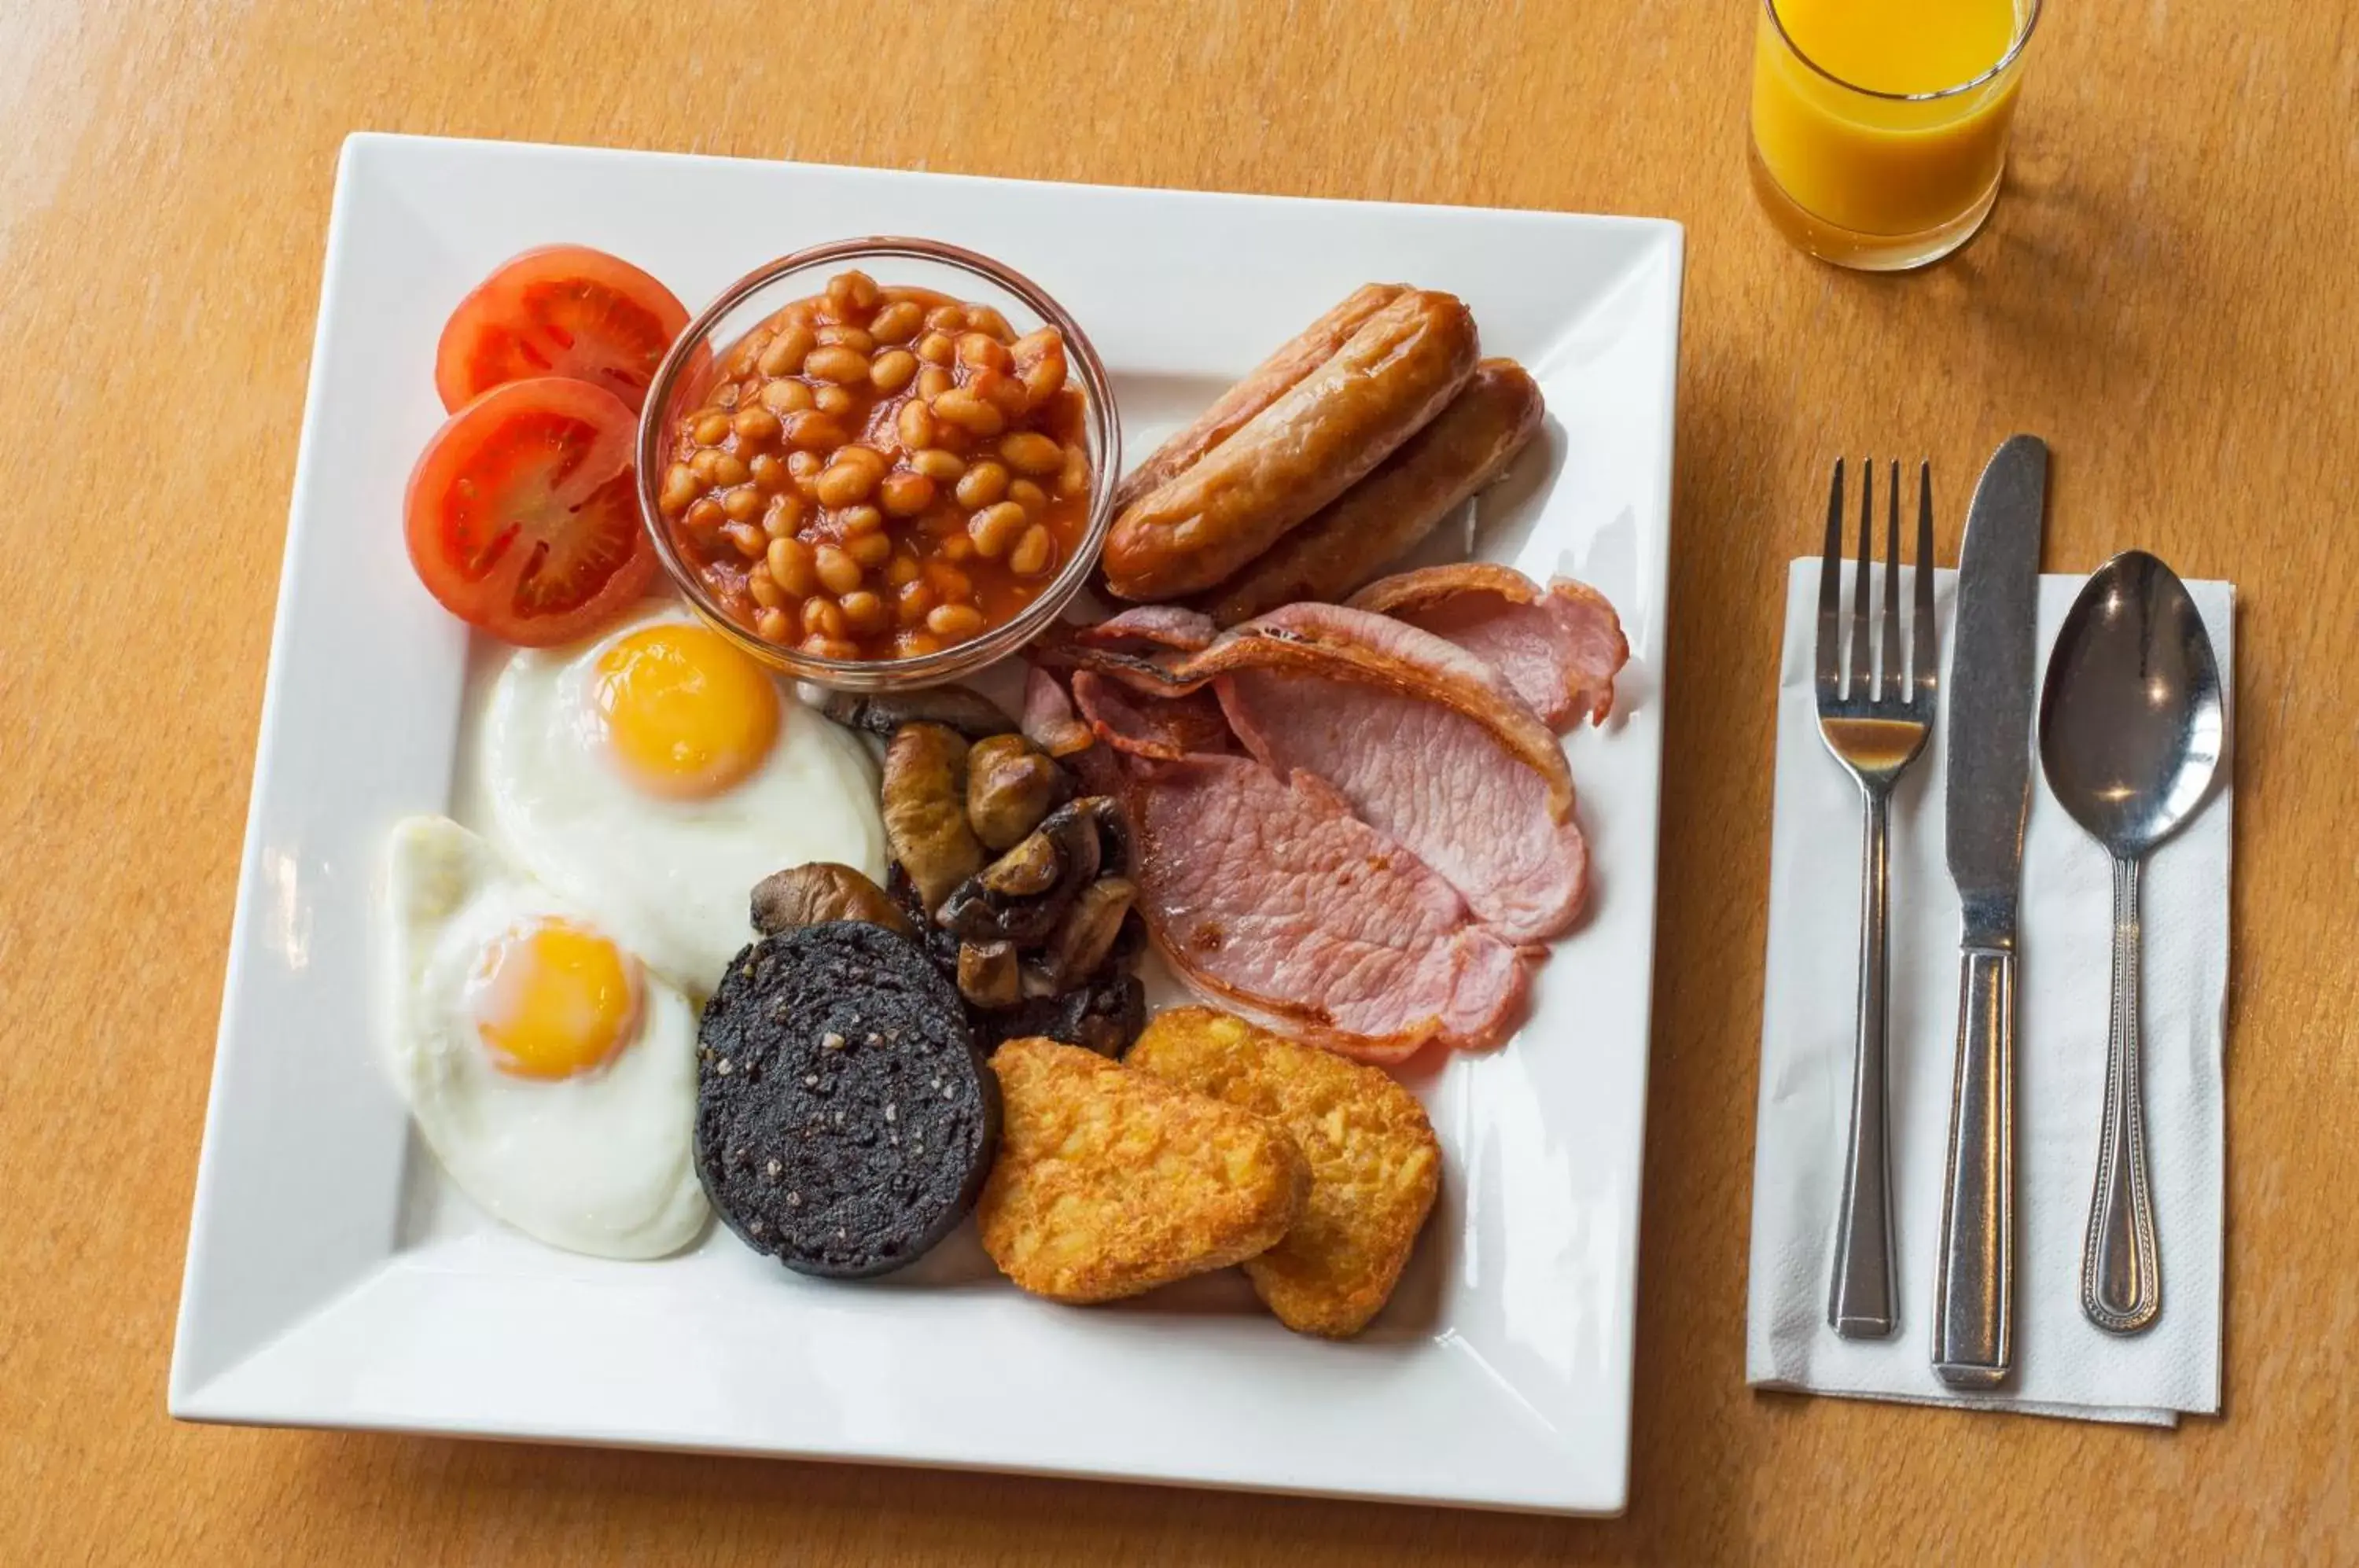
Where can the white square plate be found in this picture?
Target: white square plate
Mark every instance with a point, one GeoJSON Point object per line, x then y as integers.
{"type": "Point", "coordinates": [334, 1278]}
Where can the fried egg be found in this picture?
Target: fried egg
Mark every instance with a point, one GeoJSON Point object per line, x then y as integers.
{"type": "Point", "coordinates": [552, 1075]}
{"type": "Point", "coordinates": [655, 773]}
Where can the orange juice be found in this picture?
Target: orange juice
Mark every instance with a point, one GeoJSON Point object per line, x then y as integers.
{"type": "Point", "coordinates": [1884, 122]}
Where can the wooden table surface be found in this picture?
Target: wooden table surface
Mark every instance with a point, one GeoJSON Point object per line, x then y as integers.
{"type": "Point", "coordinates": [2165, 293]}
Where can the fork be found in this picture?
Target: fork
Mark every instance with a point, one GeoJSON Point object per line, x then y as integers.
{"type": "Point", "coordinates": [1876, 728]}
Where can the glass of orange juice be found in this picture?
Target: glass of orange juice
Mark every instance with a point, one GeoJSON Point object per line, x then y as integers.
{"type": "Point", "coordinates": [1880, 126]}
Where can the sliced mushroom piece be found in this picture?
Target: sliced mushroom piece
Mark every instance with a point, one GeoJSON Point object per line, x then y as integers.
{"type": "Point", "coordinates": [975, 913]}
{"type": "Point", "coordinates": [1086, 934]}
{"type": "Point", "coordinates": [987, 974]}
{"type": "Point", "coordinates": [883, 713]}
{"type": "Point", "coordinates": [1105, 1018]}
{"type": "Point", "coordinates": [821, 891]}
{"type": "Point", "coordinates": [1032, 867]}
{"type": "Point", "coordinates": [925, 810]}
{"type": "Point", "coordinates": [1010, 786]}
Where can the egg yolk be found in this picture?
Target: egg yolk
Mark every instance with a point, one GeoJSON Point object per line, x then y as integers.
{"type": "Point", "coordinates": [686, 713]}
{"type": "Point", "coordinates": [552, 1000]}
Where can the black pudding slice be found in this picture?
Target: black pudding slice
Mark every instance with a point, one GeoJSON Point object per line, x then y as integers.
{"type": "Point", "coordinates": [844, 1122]}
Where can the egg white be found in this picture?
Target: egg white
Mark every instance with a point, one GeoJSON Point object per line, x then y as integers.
{"type": "Point", "coordinates": [671, 879]}
{"type": "Point", "coordinates": [598, 1162]}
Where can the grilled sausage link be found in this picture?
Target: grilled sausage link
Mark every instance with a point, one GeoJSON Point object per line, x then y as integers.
{"type": "Point", "coordinates": [1467, 447]}
{"type": "Point", "coordinates": [1265, 384]}
{"type": "Point", "coordinates": [1306, 448]}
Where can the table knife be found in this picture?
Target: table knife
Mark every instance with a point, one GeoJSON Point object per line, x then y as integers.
{"type": "Point", "coordinates": [1993, 686]}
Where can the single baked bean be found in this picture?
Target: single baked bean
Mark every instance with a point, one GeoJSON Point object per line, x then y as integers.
{"type": "Point", "coordinates": [863, 612]}
{"type": "Point", "coordinates": [957, 547]}
{"type": "Point", "coordinates": [832, 399]}
{"type": "Point", "coordinates": [785, 355]}
{"type": "Point", "coordinates": [1028, 494]}
{"type": "Point", "coordinates": [852, 338]}
{"type": "Point", "coordinates": [947, 318]}
{"type": "Point", "coordinates": [936, 348]}
{"type": "Point", "coordinates": [712, 429]}
{"type": "Point", "coordinates": [956, 621]}
{"type": "Point", "coordinates": [866, 456]}
{"type": "Point", "coordinates": [845, 483]}
{"type": "Point", "coordinates": [805, 466]}
{"type": "Point", "coordinates": [911, 600]}
{"type": "Point", "coordinates": [1074, 476]}
{"type": "Point", "coordinates": [764, 587]}
{"type": "Point", "coordinates": [845, 366]}
{"type": "Point", "coordinates": [700, 464]}
{"type": "Point", "coordinates": [680, 487]}
{"type": "Point", "coordinates": [898, 321]}
{"type": "Point", "coordinates": [852, 290]}
{"type": "Point", "coordinates": [915, 425]}
{"type": "Point", "coordinates": [995, 528]}
{"type": "Point", "coordinates": [910, 644]}
{"type": "Point", "coordinates": [750, 540]}
{"type": "Point", "coordinates": [769, 471]}
{"type": "Point", "coordinates": [757, 425]}
{"type": "Point", "coordinates": [790, 561]}
{"type": "Point", "coordinates": [770, 625]}
{"type": "Point", "coordinates": [872, 548]}
{"type": "Point", "coordinates": [815, 431]}
{"type": "Point", "coordinates": [823, 616]}
{"type": "Point", "coordinates": [984, 483]}
{"type": "Point", "coordinates": [905, 494]}
{"type": "Point", "coordinates": [784, 516]}
{"type": "Point", "coordinates": [970, 413]}
{"type": "Point", "coordinates": [941, 467]}
{"type": "Point", "coordinates": [933, 381]}
{"type": "Point", "coordinates": [1001, 390]}
{"type": "Point", "coordinates": [704, 514]}
{"type": "Point", "coordinates": [783, 398]}
{"type": "Point", "coordinates": [743, 505]}
{"type": "Point", "coordinates": [831, 648]}
{"type": "Point", "coordinates": [838, 572]}
{"type": "Point", "coordinates": [1032, 553]}
{"type": "Point", "coordinates": [730, 469]}
{"type": "Point", "coordinates": [983, 318]}
{"type": "Point", "coordinates": [858, 520]}
{"type": "Point", "coordinates": [951, 585]}
{"type": "Point", "coordinates": [1029, 452]}
{"type": "Point", "coordinates": [893, 370]}
{"type": "Point", "coordinates": [981, 350]}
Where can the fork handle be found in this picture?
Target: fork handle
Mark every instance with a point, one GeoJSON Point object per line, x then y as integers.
{"type": "Point", "coordinates": [1974, 1298]}
{"type": "Point", "coordinates": [1859, 1302]}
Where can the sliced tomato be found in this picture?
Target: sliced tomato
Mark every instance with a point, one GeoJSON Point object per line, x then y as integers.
{"type": "Point", "coordinates": [522, 512]}
{"type": "Point", "coordinates": [558, 311]}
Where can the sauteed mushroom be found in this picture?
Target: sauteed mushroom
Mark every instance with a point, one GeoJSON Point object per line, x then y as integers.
{"type": "Point", "coordinates": [1086, 934]}
{"type": "Point", "coordinates": [925, 810]}
{"type": "Point", "coordinates": [987, 974]}
{"type": "Point", "coordinates": [819, 892]}
{"type": "Point", "coordinates": [1104, 1016]}
{"type": "Point", "coordinates": [1030, 867]}
{"type": "Point", "coordinates": [882, 713]}
{"type": "Point", "coordinates": [1010, 786]}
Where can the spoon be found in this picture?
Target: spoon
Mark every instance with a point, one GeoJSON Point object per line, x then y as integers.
{"type": "Point", "coordinates": [2130, 732]}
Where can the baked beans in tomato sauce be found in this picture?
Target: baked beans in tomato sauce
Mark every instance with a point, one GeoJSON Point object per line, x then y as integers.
{"type": "Point", "coordinates": [879, 473]}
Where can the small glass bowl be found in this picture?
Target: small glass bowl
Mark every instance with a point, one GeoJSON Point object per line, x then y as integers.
{"type": "Point", "coordinates": [892, 260]}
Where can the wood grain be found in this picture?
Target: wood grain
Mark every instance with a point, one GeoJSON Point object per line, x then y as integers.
{"type": "Point", "coordinates": [2164, 293]}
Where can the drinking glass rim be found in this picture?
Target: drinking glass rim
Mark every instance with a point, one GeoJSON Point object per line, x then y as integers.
{"type": "Point", "coordinates": [2013, 51]}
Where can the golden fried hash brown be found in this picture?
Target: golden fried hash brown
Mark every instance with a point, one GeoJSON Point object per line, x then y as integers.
{"type": "Point", "coordinates": [1109, 1183]}
{"type": "Point", "coordinates": [1374, 1165]}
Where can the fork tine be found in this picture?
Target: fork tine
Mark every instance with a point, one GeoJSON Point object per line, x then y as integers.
{"type": "Point", "coordinates": [1857, 688]}
{"type": "Point", "coordinates": [1831, 591]}
{"type": "Point", "coordinates": [1888, 689]}
{"type": "Point", "coordinates": [1925, 663]}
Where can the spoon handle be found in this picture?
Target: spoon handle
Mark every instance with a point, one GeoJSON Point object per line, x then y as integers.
{"type": "Point", "coordinates": [2121, 1271]}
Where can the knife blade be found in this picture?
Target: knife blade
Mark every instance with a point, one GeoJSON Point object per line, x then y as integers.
{"type": "Point", "coordinates": [1988, 793]}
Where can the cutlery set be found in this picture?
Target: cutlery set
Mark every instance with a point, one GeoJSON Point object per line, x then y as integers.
{"type": "Point", "coordinates": [2131, 728]}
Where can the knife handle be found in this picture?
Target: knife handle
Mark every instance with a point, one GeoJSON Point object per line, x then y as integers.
{"type": "Point", "coordinates": [1974, 1298]}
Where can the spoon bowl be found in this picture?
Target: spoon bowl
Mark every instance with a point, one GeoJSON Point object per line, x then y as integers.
{"type": "Point", "coordinates": [2131, 723]}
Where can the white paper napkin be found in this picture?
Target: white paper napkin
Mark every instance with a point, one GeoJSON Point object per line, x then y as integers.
{"type": "Point", "coordinates": [2065, 1366]}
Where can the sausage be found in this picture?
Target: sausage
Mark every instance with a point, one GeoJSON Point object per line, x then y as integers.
{"type": "Point", "coordinates": [1304, 450]}
{"type": "Point", "coordinates": [1467, 446]}
{"type": "Point", "coordinates": [1270, 381]}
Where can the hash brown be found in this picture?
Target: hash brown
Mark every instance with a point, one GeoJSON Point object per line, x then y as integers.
{"type": "Point", "coordinates": [1109, 1183]}
{"type": "Point", "coordinates": [1374, 1163]}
